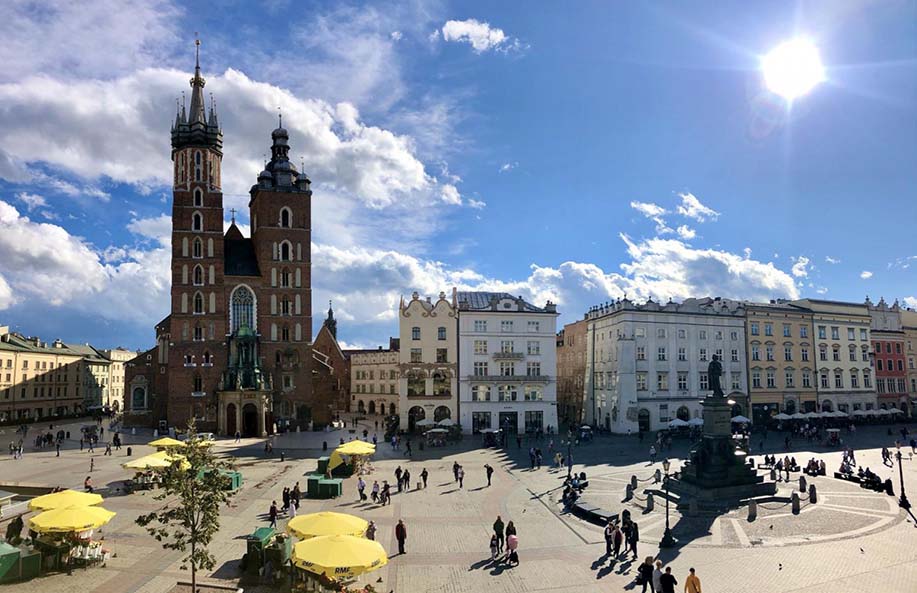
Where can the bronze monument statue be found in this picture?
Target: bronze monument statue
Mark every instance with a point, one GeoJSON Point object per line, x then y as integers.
{"type": "Point", "coordinates": [714, 372]}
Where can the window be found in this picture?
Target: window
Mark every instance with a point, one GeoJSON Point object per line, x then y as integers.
{"type": "Point", "coordinates": [286, 251]}
{"type": "Point", "coordinates": [769, 352]}
{"type": "Point", "coordinates": [198, 197]}
{"type": "Point", "coordinates": [803, 331]}
{"type": "Point", "coordinates": [197, 165]}
{"type": "Point", "coordinates": [533, 326]}
{"type": "Point", "coordinates": [507, 347]}
{"type": "Point", "coordinates": [533, 369]}
{"type": "Point", "coordinates": [702, 334]}
{"type": "Point", "coordinates": [768, 329]}
{"type": "Point", "coordinates": [823, 353]}
{"type": "Point", "coordinates": [286, 307]}
{"type": "Point", "coordinates": [285, 278]}
{"type": "Point", "coordinates": [838, 380]}
{"type": "Point", "coordinates": [506, 326]}
{"type": "Point", "coordinates": [867, 383]}
{"type": "Point", "coordinates": [285, 217]}
{"type": "Point", "coordinates": [416, 355]}
{"type": "Point", "coordinates": [901, 385]}
{"type": "Point", "coordinates": [755, 352]}
{"type": "Point", "coordinates": [836, 353]}
{"type": "Point", "coordinates": [703, 354]}
{"type": "Point", "coordinates": [198, 333]}
{"type": "Point", "coordinates": [441, 333]}
{"type": "Point", "coordinates": [789, 377]}
{"type": "Point", "coordinates": [823, 380]}
{"type": "Point", "coordinates": [787, 332]}
{"type": "Point", "coordinates": [754, 328]}
{"type": "Point", "coordinates": [879, 364]}
{"type": "Point", "coordinates": [197, 248]}
{"type": "Point", "coordinates": [718, 335]}
{"type": "Point", "coordinates": [641, 353]}
{"type": "Point", "coordinates": [822, 332]}
{"type": "Point", "coordinates": [900, 365]}
{"type": "Point", "coordinates": [198, 303]}
{"type": "Point", "coordinates": [480, 369]}
{"type": "Point", "coordinates": [682, 353]}
{"type": "Point", "coordinates": [415, 333]}
{"type": "Point", "coordinates": [417, 385]}
{"type": "Point", "coordinates": [285, 334]}
{"type": "Point", "coordinates": [533, 393]}
{"type": "Point", "coordinates": [533, 348]}
{"type": "Point", "coordinates": [641, 381]}
{"type": "Point", "coordinates": [854, 380]}
{"type": "Point", "coordinates": [682, 381]}
{"type": "Point", "coordinates": [889, 366]}
{"type": "Point", "coordinates": [682, 334]}
{"type": "Point", "coordinates": [198, 384]}
{"type": "Point", "coordinates": [662, 381]}
{"type": "Point", "coordinates": [736, 381]}
{"type": "Point", "coordinates": [806, 378]}
{"type": "Point", "coordinates": [733, 336]}
{"type": "Point", "coordinates": [734, 355]}
{"type": "Point", "coordinates": [480, 325]}
{"type": "Point", "coordinates": [771, 379]}
{"type": "Point", "coordinates": [664, 413]}
{"type": "Point", "coordinates": [242, 308]}
{"type": "Point", "coordinates": [197, 222]}
{"type": "Point", "coordinates": [851, 333]}
{"type": "Point", "coordinates": [863, 335]}
{"type": "Point", "coordinates": [480, 393]}
{"type": "Point", "coordinates": [897, 347]}
{"type": "Point", "coordinates": [480, 346]}
{"type": "Point", "coordinates": [888, 347]}
{"type": "Point", "coordinates": [704, 382]}
{"type": "Point", "coordinates": [507, 369]}
{"type": "Point", "coordinates": [853, 353]}
{"type": "Point", "coordinates": [719, 354]}
{"type": "Point", "coordinates": [189, 360]}
{"type": "Point", "coordinates": [660, 354]}
{"type": "Point", "coordinates": [639, 332]}
{"type": "Point", "coordinates": [442, 355]}
{"type": "Point", "coordinates": [865, 354]}
{"type": "Point", "coordinates": [835, 332]}
{"type": "Point", "coordinates": [787, 353]}
{"type": "Point", "coordinates": [138, 398]}
{"type": "Point", "coordinates": [506, 393]}
{"type": "Point", "coordinates": [660, 332]}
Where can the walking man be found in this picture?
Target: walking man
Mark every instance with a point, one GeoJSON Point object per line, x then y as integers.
{"type": "Point", "coordinates": [617, 538]}
{"type": "Point", "coordinates": [398, 477]}
{"type": "Point", "coordinates": [401, 534]}
{"type": "Point", "coordinates": [423, 476]}
{"type": "Point", "coordinates": [272, 513]}
{"type": "Point", "coordinates": [633, 538]}
{"type": "Point", "coordinates": [461, 476]}
{"type": "Point", "coordinates": [498, 531]}
{"type": "Point", "coordinates": [490, 472]}
{"type": "Point", "coordinates": [455, 468]}
{"type": "Point", "coordinates": [609, 535]}
{"type": "Point", "coordinates": [667, 581]}
{"type": "Point", "coordinates": [692, 583]}
{"type": "Point", "coordinates": [361, 487]}
{"type": "Point", "coordinates": [652, 454]}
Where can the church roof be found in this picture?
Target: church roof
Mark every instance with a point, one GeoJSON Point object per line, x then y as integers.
{"type": "Point", "coordinates": [239, 257]}
{"type": "Point", "coordinates": [233, 232]}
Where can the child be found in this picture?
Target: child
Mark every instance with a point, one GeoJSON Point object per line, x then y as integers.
{"type": "Point", "coordinates": [494, 547]}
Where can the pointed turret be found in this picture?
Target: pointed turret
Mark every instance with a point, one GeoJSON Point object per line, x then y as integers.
{"type": "Point", "coordinates": [197, 114]}
{"type": "Point", "coordinates": [330, 322]}
{"type": "Point", "coordinates": [195, 128]}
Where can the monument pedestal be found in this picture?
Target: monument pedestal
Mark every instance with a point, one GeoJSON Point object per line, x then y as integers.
{"type": "Point", "coordinates": [717, 471]}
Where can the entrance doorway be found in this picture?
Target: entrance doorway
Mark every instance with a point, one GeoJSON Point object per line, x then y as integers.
{"type": "Point", "coordinates": [231, 420]}
{"type": "Point", "coordinates": [250, 421]}
{"type": "Point", "coordinates": [509, 422]}
{"type": "Point", "coordinates": [643, 420]}
{"type": "Point", "coordinates": [415, 415]}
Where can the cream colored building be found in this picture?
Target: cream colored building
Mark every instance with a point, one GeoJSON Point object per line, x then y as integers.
{"type": "Point", "coordinates": [843, 354]}
{"type": "Point", "coordinates": [909, 324]}
{"type": "Point", "coordinates": [374, 378]}
{"type": "Point", "coordinates": [781, 359]}
{"type": "Point", "coordinates": [428, 387]}
{"type": "Point", "coordinates": [115, 395]}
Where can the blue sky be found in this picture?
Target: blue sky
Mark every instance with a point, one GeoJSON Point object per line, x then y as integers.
{"type": "Point", "coordinates": [571, 154]}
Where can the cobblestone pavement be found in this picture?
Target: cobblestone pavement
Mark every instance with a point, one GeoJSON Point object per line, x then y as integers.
{"type": "Point", "coordinates": [851, 540]}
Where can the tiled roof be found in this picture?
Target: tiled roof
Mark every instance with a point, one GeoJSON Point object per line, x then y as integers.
{"type": "Point", "coordinates": [481, 301]}
{"type": "Point", "coordinates": [239, 259]}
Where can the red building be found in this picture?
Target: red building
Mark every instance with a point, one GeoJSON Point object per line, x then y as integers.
{"type": "Point", "coordinates": [235, 354]}
{"type": "Point", "coordinates": [888, 346]}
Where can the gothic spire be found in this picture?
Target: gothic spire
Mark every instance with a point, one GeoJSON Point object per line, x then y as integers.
{"type": "Point", "coordinates": [330, 322]}
{"type": "Point", "coordinates": [197, 89]}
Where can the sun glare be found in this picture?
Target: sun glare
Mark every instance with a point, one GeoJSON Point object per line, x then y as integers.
{"type": "Point", "coordinates": [793, 68]}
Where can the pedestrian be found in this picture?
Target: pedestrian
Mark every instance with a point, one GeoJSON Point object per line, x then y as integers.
{"type": "Point", "coordinates": [609, 536]}
{"type": "Point", "coordinates": [652, 454]}
{"type": "Point", "coordinates": [361, 486]}
{"type": "Point", "coordinates": [272, 513]}
{"type": "Point", "coordinates": [92, 462]}
{"type": "Point", "coordinates": [294, 506]}
{"type": "Point", "coordinates": [512, 544]}
{"type": "Point", "coordinates": [406, 477]}
{"type": "Point", "coordinates": [461, 476]}
{"type": "Point", "coordinates": [510, 529]}
{"type": "Point", "coordinates": [657, 577]}
{"type": "Point", "coordinates": [407, 447]}
{"type": "Point", "coordinates": [494, 548]}
{"type": "Point", "coordinates": [386, 492]}
{"type": "Point", "coordinates": [634, 538]}
{"type": "Point", "coordinates": [498, 533]}
{"type": "Point", "coordinates": [617, 538]}
{"type": "Point", "coordinates": [423, 476]}
{"type": "Point", "coordinates": [398, 477]}
{"type": "Point", "coordinates": [238, 436]}
{"type": "Point", "coordinates": [401, 534]}
{"type": "Point", "coordinates": [375, 491]}
{"type": "Point", "coordinates": [490, 472]}
{"type": "Point", "coordinates": [667, 581]}
{"type": "Point", "coordinates": [81, 445]}
{"type": "Point", "coordinates": [87, 484]}
{"type": "Point", "coordinates": [296, 494]}
{"type": "Point", "coordinates": [692, 583]}
{"type": "Point", "coordinates": [285, 496]}
{"type": "Point", "coordinates": [58, 448]}
{"type": "Point", "coordinates": [645, 573]}
{"type": "Point", "coordinates": [455, 468]}
{"type": "Point", "coordinates": [371, 531]}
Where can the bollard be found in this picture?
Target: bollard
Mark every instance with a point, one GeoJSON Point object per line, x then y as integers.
{"type": "Point", "coordinates": [128, 451]}
{"type": "Point", "coordinates": [802, 484]}
{"type": "Point", "coordinates": [633, 482]}
{"type": "Point", "coordinates": [813, 495]}
{"type": "Point", "coordinates": [752, 510]}
{"type": "Point", "coordinates": [658, 476]}
{"type": "Point", "coordinates": [650, 504]}
{"type": "Point", "coordinates": [795, 503]}
{"type": "Point", "coordinates": [628, 492]}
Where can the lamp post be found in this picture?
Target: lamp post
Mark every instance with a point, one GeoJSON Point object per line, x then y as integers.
{"type": "Point", "coordinates": [903, 502]}
{"type": "Point", "coordinates": [667, 540]}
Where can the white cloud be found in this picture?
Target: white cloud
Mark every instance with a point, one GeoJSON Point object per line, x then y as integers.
{"type": "Point", "coordinates": [832, 260]}
{"type": "Point", "coordinates": [691, 207]}
{"type": "Point", "coordinates": [910, 302]}
{"type": "Point", "coordinates": [648, 209]}
{"type": "Point", "coordinates": [686, 232]}
{"type": "Point", "coordinates": [396, 35]}
{"type": "Point", "coordinates": [476, 204]}
{"type": "Point", "coordinates": [481, 36]}
{"type": "Point", "coordinates": [31, 201]}
{"type": "Point", "coordinates": [6, 295]}
{"type": "Point", "coordinates": [800, 267]}
{"type": "Point", "coordinates": [505, 167]}
{"type": "Point", "coordinates": [158, 228]}
{"type": "Point", "coordinates": [747, 252]}
{"type": "Point", "coordinates": [865, 274]}
{"type": "Point", "coordinates": [450, 194]}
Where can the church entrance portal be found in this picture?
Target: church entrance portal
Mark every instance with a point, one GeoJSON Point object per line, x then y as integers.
{"type": "Point", "coordinates": [249, 421]}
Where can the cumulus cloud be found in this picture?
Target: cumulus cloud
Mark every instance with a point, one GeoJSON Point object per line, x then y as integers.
{"type": "Point", "coordinates": [158, 228]}
{"type": "Point", "coordinates": [865, 274]}
{"type": "Point", "coordinates": [800, 267]}
{"type": "Point", "coordinates": [691, 207]}
{"type": "Point", "coordinates": [450, 194]}
{"type": "Point", "coordinates": [480, 36]}
{"type": "Point", "coordinates": [686, 232]}
{"type": "Point", "coordinates": [6, 294]}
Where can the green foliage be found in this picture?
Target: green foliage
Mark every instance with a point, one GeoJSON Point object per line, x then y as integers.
{"type": "Point", "coordinates": [193, 498]}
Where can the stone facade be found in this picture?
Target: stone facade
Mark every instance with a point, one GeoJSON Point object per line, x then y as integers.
{"type": "Point", "coordinates": [909, 325]}
{"type": "Point", "coordinates": [507, 363]}
{"type": "Point", "coordinates": [427, 384]}
{"type": "Point", "coordinates": [889, 346]}
{"type": "Point", "coordinates": [571, 372]}
{"type": "Point", "coordinates": [374, 379]}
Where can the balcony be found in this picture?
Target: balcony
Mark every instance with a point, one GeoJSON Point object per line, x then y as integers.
{"type": "Point", "coordinates": [508, 378]}
{"type": "Point", "coordinates": [508, 355]}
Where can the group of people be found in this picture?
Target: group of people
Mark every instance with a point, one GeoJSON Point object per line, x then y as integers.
{"type": "Point", "coordinates": [290, 498]}
{"type": "Point", "coordinates": [652, 576]}
{"type": "Point", "coordinates": [504, 536]}
{"type": "Point", "coordinates": [815, 467]}
{"type": "Point", "coordinates": [626, 534]}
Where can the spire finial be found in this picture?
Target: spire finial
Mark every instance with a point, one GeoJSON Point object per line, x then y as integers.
{"type": "Point", "coordinates": [279, 117]}
{"type": "Point", "coordinates": [197, 51]}
{"type": "Point", "coordinates": [232, 212]}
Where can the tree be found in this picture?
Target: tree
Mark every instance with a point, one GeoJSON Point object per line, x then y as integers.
{"type": "Point", "coordinates": [194, 490]}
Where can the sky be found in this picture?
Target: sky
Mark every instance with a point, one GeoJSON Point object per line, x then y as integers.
{"type": "Point", "coordinates": [573, 152]}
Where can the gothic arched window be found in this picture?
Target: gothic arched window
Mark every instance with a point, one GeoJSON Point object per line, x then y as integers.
{"type": "Point", "coordinates": [197, 222]}
{"type": "Point", "coordinates": [243, 308]}
{"type": "Point", "coordinates": [285, 249]}
{"type": "Point", "coordinates": [285, 217]}
{"type": "Point", "coordinates": [198, 197]}
{"type": "Point", "coordinates": [197, 165]}
{"type": "Point", "coordinates": [198, 275]}
{"type": "Point", "coordinates": [198, 303]}
{"type": "Point", "coordinates": [197, 249]}
{"type": "Point", "coordinates": [285, 278]}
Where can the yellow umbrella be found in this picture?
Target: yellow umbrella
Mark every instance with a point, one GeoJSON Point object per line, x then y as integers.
{"type": "Point", "coordinates": [63, 499]}
{"type": "Point", "coordinates": [339, 556]}
{"type": "Point", "coordinates": [166, 442]}
{"type": "Point", "coordinates": [326, 523]}
{"type": "Point", "coordinates": [70, 519]}
{"type": "Point", "coordinates": [356, 448]}
{"type": "Point", "coordinates": [156, 461]}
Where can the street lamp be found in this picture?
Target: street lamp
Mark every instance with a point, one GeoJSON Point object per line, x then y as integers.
{"type": "Point", "coordinates": [903, 502]}
{"type": "Point", "coordinates": [667, 540]}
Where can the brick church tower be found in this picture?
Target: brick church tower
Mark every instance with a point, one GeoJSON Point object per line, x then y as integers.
{"type": "Point", "coordinates": [239, 349]}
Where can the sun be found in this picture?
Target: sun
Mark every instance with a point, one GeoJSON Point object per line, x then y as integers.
{"type": "Point", "coordinates": [793, 68]}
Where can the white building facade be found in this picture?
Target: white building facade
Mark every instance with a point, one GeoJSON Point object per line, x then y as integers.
{"type": "Point", "coordinates": [647, 364]}
{"type": "Point", "coordinates": [507, 363]}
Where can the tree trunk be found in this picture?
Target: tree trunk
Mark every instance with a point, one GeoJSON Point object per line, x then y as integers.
{"type": "Point", "coordinates": [193, 569]}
